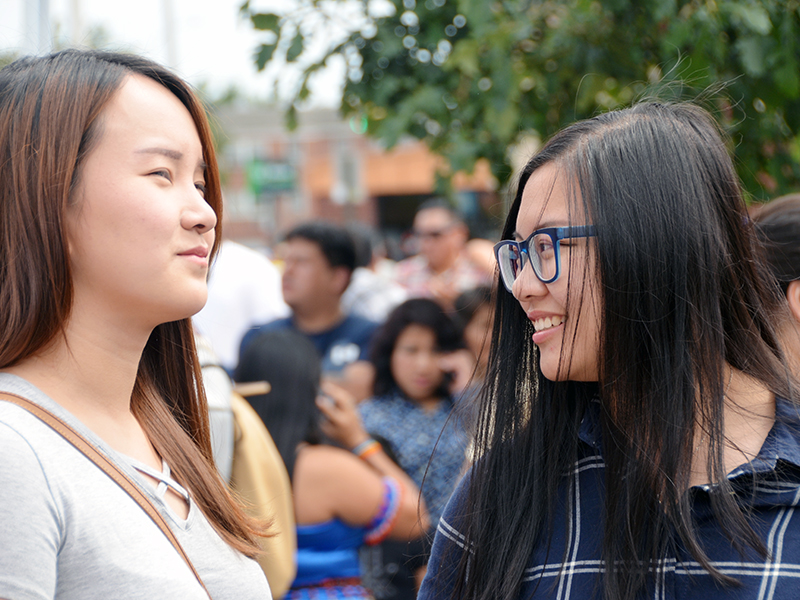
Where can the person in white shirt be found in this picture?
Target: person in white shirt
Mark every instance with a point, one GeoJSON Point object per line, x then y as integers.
{"type": "Point", "coordinates": [244, 289]}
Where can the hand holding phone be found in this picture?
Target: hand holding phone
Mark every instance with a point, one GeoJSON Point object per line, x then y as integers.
{"type": "Point", "coordinates": [342, 421]}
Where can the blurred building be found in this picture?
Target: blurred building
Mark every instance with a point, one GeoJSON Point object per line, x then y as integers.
{"type": "Point", "coordinates": [327, 169]}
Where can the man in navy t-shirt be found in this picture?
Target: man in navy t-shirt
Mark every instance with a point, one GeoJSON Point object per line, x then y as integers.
{"type": "Point", "coordinates": [319, 259]}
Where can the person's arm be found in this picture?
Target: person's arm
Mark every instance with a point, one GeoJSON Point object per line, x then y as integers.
{"type": "Point", "coordinates": [343, 424]}
{"type": "Point", "coordinates": [29, 522]}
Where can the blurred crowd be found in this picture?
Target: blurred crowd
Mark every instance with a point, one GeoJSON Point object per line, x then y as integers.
{"type": "Point", "coordinates": [364, 371]}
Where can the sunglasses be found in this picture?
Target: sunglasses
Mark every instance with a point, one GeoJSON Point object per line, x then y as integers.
{"type": "Point", "coordinates": [541, 249]}
{"type": "Point", "coordinates": [434, 234]}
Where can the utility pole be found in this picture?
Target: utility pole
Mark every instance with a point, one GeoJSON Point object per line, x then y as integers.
{"type": "Point", "coordinates": [76, 23]}
{"type": "Point", "coordinates": [170, 45]}
{"type": "Point", "coordinates": [37, 27]}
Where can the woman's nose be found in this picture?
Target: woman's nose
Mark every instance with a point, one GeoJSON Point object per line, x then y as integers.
{"type": "Point", "coordinates": [527, 284]}
{"type": "Point", "coordinates": [199, 214]}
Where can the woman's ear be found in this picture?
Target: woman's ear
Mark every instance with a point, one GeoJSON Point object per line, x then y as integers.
{"type": "Point", "coordinates": [793, 296]}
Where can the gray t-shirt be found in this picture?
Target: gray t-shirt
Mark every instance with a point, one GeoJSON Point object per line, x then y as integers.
{"type": "Point", "coordinates": [67, 531]}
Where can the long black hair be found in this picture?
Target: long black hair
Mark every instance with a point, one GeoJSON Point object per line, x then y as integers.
{"type": "Point", "coordinates": [680, 296]}
{"type": "Point", "coordinates": [288, 361]}
{"type": "Point", "coordinates": [417, 311]}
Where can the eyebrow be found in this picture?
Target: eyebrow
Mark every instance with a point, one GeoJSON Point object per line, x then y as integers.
{"type": "Point", "coordinates": [545, 225]}
{"type": "Point", "coordinates": [169, 153]}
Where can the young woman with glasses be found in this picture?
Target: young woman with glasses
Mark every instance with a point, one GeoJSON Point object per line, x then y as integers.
{"type": "Point", "coordinates": [639, 436]}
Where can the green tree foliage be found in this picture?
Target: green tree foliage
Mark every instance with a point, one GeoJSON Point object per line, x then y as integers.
{"type": "Point", "coordinates": [7, 58]}
{"type": "Point", "coordinates": [472, 78]}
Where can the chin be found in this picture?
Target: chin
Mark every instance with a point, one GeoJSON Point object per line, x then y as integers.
{"type": "Point", "coordinates": [572, 375]}
{"type": "Point", "coordinates": [191, 305]}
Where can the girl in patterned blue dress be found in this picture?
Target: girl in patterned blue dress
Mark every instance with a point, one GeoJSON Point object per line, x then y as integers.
{"type": "Point", "coordinates": [344, 497]}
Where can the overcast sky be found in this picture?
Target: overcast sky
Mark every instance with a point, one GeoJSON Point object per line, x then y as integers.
{"type": "Point", "coordinates": [213, 44]}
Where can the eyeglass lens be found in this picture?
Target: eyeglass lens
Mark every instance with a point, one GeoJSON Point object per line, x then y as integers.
{"type": "Point", "coordinates": [543, 256]}
{"type": "Point", "coordinates": [542, 253]}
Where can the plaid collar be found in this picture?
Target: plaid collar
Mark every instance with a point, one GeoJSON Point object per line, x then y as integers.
{"type": "Point", "coordinates": [781, 445]}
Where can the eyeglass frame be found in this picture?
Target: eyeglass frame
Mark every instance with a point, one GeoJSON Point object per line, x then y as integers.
{"type": "Point", "coordinates": [556, 234]}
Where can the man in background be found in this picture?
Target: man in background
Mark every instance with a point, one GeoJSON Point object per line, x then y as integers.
{"type": "Point", "coordinates": [319, 259]}
{"type": "Point", "coordinates": [443, 268]}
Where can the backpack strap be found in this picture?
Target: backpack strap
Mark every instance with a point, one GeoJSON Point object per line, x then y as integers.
{"type": "Point", "coordinates": [113, 471]}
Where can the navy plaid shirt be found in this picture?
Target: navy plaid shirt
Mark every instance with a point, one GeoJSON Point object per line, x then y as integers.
{"type": "Point", "coordinates": [775, 495]}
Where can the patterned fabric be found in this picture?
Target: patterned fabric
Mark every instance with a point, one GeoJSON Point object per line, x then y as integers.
{"type": "Point", "coordinates": [327, 553]}
{"type": "Point", "coordinates": [773, 497]}
{"type": "Point", "coordinates": [412, 434]}
{"type": "Point", "coordinates": [416, 277]}
{"type": "Point", "coordinates": [331, 589]}
{"type": "Point", "coordinates": [384, 521]}
{"type": "Point", "coordinates": [371, 296]}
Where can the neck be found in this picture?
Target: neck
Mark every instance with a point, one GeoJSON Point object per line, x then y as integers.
{"type": "Point", "coordinates": [90, 370]}
{"type": "Point", "coordinates": [317, 320]}
{"type": "Point", "coordinates": [443, 266]}
{"type": "Point", "coordinates": [427, 404]}
{"type": "Point", "coordinates": [748, 417]}
{"type": "Point", "coordinates": [790, 338]}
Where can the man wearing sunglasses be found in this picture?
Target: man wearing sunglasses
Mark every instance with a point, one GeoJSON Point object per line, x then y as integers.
{"type": "Point", "coordinates": [443, 268]}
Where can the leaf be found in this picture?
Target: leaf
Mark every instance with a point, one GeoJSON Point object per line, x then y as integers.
{"type": "Point", "coordinates": [465, 58]}
{"type": "Point", "coordinates": [291, 118]}
{"type": "Point", "coordinates": [756, 18]}
{"type": "Point", "coordinates": [304, 90]}
{"type": "Point", "coordinates": [265, 21]}
{"type": "Point", "coordinates": [786, 78]}
{"type": "Point", "coordinates": [752, 54]}
{"type": "Point", "coordinates": [665, 9]}
{"type": "Point", "coordinates": [296, 49]}
{"type": "Point", "coordinates": [264, 55]}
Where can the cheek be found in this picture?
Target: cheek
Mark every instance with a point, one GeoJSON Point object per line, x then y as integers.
{"type": "Point", "coordinates": [398, 365]}
{"type": "Point", "coordinates": [473, 336]}
{"type": "Point", "coordinates": [586, 345]}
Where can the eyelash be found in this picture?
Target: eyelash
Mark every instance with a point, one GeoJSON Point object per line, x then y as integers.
{"type": "Point", "coordinates": [201, 187]}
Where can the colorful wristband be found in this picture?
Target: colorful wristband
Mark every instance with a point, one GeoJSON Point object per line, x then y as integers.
{"type": "Point", "coordinates": [365, 454]}
{"type": "Point", "coordinates": [366, 448]}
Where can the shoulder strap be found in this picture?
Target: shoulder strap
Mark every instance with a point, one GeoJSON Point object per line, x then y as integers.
{"type": "Point", "coordinates": [110, 469]}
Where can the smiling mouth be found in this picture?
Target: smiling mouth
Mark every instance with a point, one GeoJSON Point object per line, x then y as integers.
{"type": "Point", "coordinates": [547, 323]}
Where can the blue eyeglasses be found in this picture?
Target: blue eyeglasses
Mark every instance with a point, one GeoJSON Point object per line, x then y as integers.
{"type": "Point", "coordinates": [541, 250]}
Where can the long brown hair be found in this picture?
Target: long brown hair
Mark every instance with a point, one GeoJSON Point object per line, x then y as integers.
{"type": "Point", "coordinates": [49, 121]}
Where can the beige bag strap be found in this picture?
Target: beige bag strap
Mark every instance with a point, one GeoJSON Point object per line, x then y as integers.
{"type": "Point", "coordinates": [110, 469]}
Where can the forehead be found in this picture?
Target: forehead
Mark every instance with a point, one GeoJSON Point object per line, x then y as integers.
{"type": "Point", "coordinates": [302, 248]}
{"type": "Point", "coordinates": [546, 200]}
{"type": "Point", "coordinates": [432, 218]}
{"type": "Point", "coordinates": [144, 111]}
{"type": "Point", "coordinates": [417, 334]}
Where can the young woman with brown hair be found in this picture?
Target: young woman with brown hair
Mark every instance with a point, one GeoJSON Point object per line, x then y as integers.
{"type": "Point", "coordinates": [109, 210]}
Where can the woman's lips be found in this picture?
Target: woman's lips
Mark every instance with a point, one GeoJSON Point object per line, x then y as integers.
{"type": "Point", "coordinates": [198, 255]}
{"type": "Point", "coordinates": [546, 327]}
{"type": "Point", "coordinates": [540, 337]}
